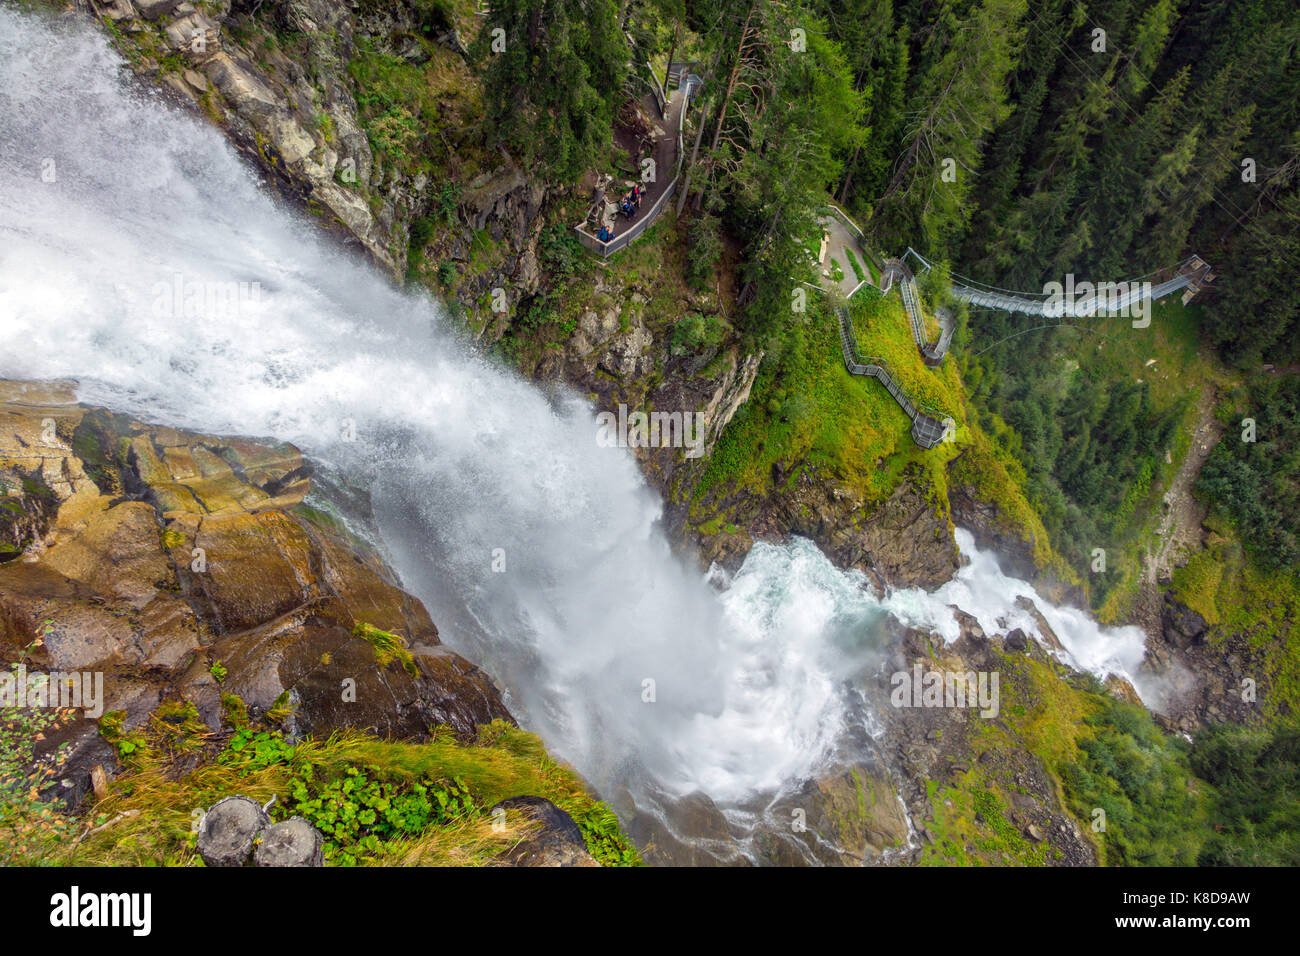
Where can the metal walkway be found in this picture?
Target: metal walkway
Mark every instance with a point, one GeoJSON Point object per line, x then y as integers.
{"type": "Point", "coordinates": [931, 352]}
{"type": "Point", "coordinates": [673, 110]}
{"type": "Point", "coordinates": [1102, 297]}
{"type": "Point", "coordinates": [927, 426]}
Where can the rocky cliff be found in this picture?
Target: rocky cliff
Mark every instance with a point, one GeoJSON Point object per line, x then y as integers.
{"type": "Point", "coordinates": [1206, 674]}
{"type": "Point", "coordinates": [188, 567]}
{"type": "Point", "coordinates": [903, 541]}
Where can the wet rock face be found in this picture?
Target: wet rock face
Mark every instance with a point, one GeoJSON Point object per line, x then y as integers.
{"type": "Point", "coordinates": [847, 816]}
{"type": "Point", "coordinates": [929, 749]}
{"type": "Point", "coordinates": [1027, 605]}
{"type": "Point", "coordinates": [1181, 625]}
{"type": "Point", "coordinates": [1014, 554]}
{"type": "Point", "coordinates": [299, 124]}
{"type": "Point", "coordinates": [183, 565]}
{"type": "Point", "coordinates": [698, 834]}
{"type": "Point", "coordinates": [1017, 640]}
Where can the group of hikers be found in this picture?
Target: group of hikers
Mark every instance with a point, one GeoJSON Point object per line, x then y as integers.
{"type": "Point", "coordinates": [632, 201]}
{"type": "Point", "coordinates": [629, 206]}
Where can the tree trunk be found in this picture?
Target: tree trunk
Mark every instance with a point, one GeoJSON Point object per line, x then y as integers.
{"type": "Point", "coordinates": [731, 86]}
{"type": "Point", "coordinates": [848, 177]}
{"type": "Point", "coordinates": [686, 183]}
{"type": "Point", "coordinates": [671, 50]}
{"type": "Point", "coordinates": [731, 80]}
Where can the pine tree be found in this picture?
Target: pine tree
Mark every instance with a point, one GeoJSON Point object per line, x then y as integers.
{"type": "Point", "coordinates": [960, 98]}
{"type": "Point", "coordinates": [550, 94]}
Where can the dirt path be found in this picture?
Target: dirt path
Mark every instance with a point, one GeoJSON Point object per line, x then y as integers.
{"type": "Point", "coordinates": [1180, 530]}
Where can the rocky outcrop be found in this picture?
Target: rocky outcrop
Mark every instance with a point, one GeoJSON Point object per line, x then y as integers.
{"type": "Point", "coordinates": [934, 748]}
{"type": "Point", "coordinates": [188, 566]}
{"type": "Point", "coordinates": [981, 518]}
{"type": "Point", "coordinates": [292, 111]}
{"type": "Point", "coordinates": [1180, 625]}
{"type": "Point", "coordinates": [554, 838]}
{"type": "Point", "coordinates": [616, 357]}
{"type": "Point", "coordinates": [297, 121]}
{"type": "Point", "coordinates": [1202, 674]}
{"type": "Point", "coordinates": [903, 541]}
{"type": "Point", "coordinates": [1045, 631]}
{"type": "Point", "coordinates": [849, 815]}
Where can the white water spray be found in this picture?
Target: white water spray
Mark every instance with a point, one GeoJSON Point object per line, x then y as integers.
{"type": "Point", "coordinates": [982, 590]}
{"type": "Point", "coordinates": [466, 464]}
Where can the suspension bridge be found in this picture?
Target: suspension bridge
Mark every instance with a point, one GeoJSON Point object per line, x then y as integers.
{"type": "Point", "coordinates": [1070, 300]}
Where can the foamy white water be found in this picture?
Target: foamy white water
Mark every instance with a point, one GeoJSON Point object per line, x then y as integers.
{"type": "Point", "coordinates": [107, 196]}
{"type": "Point", "coordinates": [983, 591]}
{"type": "Point", "coordinates": [467, 464]}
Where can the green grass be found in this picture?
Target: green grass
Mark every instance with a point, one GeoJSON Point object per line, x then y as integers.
{"type": "Point", "coordinates": [821, 416]}
{"type": "Point", "coordinates": [854, 264]}
{"type": "Point", "coordinates": [815, 414]}
{"type": "Point", "coordinates": [1198, 583]}
{"type": "Point", "coordinates": [1173, 340]}
{"type": "Point", "coordinates": [148, 816]}
{"type": "Point", "coordinates": [882, 329]}
{"type": "Point", "coordinates": [971, 821]}
{"type": "Point", "coordinates": [388, 647]}
{"type": "Point", "coordinates": [401, 105]}
{"type": "Point", "coordinates": [1236, 596]}
{"type": "Point", "coordinates": [996, 477]}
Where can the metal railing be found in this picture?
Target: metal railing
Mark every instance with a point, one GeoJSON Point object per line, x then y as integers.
{"type": "Point", "coordinates": [928, 424]}
{"type": "Point", "coordinates": [661, 95]}
{"type": "Point", "coordinates": [1191, 272]}
{"type": "Point", "coordinates": [607, 249]}
{"type": "Point", "coordinates": [852, 226]}
{"type": "Point", "coordinates": [933, 353]}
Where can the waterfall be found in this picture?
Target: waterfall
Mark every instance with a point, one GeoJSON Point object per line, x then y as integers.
{"type": "Point", "coordinates": [142, 258]}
